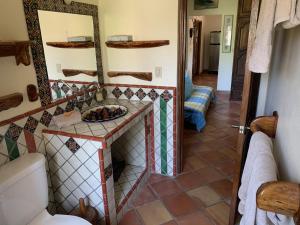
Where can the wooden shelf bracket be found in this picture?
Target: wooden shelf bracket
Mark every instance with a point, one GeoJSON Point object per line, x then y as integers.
{"type": "Point", "coordinates": [71, 72]}
{"type": "Point", "coordinates": [139, 75]}
{"type": "Point", "coordinates": [19, 49]}
{"type": "Point", "coordinates": [10, 101]}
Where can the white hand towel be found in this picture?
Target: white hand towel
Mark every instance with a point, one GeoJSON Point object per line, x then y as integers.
{"type": "Point", "coordinates": [260, 143]}
{"type": "Point", "coordinates": [260, 168]}
{"type": "Point", "coordinates": [263, 171]}
{"type": "Point", "coordinates": [67, 119]}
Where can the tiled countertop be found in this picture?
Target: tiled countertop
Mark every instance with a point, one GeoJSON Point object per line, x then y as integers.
{"type": "Point", "coordinates": [106, 132]}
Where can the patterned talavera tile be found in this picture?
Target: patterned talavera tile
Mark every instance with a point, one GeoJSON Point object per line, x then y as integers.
{"type": "Point", "coordinates": [31, 124]}
{"type": "Point", "coordinates": [13, 132]}
{"type": "Point", "coordinates": [166, 95]}
{"type": "Point", "coordinates": [153, 95]}
{"type": "Point", "coordinates": [117, 92]}
{"type": "Point", "coordinates": [72, 145]}
{"type": "Point", "coordinates": [128, 93]}
{"type": "Point", "coordinates": [46, 118]}
{"type": "Point", "coordinates": [140, 94]}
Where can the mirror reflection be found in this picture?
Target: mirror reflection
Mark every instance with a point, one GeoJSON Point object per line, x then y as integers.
{"type": "Point", "coordinates": [68, 43]}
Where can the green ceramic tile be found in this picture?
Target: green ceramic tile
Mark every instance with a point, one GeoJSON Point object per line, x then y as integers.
{"type": "Point", "coordinates": [163, 130]}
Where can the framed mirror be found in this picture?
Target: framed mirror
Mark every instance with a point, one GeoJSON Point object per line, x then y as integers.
{"type": "Point", "coordinates": [65, 46]}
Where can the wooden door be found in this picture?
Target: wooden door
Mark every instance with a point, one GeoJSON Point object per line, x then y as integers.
{"type": "Point", "coordinates": [240, 52]}
{"type": "Point", "coordinates": [248, 110]}
{"type": "Point", "coordinates": [197, 31]}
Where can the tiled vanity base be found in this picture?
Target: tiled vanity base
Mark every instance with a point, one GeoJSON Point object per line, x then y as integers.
{"type": "Point", "coordinates": [81, 165]}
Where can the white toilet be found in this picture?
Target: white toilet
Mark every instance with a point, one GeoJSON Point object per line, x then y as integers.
{"type": "Point", "coordinates": [24, 194]}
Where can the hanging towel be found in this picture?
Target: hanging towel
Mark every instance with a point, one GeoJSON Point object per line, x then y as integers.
{"type": "Point", "coordinates": [260, 168]}
{"type": "Point", "coordinates": [260, 57]}
{"type": "Point", "coordinates": [272, 13]}
{"type": "Point", "coordinates": [260, 142]}
{"type": "Point", "coordinates": [294, 19]}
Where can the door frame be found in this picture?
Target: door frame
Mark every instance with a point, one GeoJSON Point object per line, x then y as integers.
{"type": "Point", "coordinates": [181, 65]}
{"type": "Point", "coordinates": [197, 36]}
{"type": "Point", "coordinates": [249, 95]}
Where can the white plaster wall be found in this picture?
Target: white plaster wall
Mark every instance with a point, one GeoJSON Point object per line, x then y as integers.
{"type": "Point", "coordinates": [15, 78]}
{"type": "Point", "coordinates": [226, 7]}
{"type": "Point", "coordinates": [145, 20]}
{"type": "Point", "coordinates": [53, 30]}
{"type": "Point", "coordinates": [283, 96]}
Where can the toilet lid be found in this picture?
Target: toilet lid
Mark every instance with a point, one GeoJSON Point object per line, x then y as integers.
{"type": "Point", "coordinates": [46, 219]}
{"type": "Point", "coordinates": [66, 220]}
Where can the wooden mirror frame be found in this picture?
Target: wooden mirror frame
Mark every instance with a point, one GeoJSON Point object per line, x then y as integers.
{"type": "Point", "coordinates": [31, 8]}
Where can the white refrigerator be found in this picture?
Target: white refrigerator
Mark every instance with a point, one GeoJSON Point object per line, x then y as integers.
{"type": "Point", "coordinates": [214, 51]}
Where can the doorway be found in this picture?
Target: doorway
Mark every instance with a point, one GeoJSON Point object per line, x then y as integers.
{"type": "Point", "coordinates": [206, 149]}
{"type": "Point", "coordinates": [203, 55]}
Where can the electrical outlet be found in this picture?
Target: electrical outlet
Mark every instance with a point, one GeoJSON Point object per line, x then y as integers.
{"type": "Point", "coordinates": [58, 68]}
{"type": "Point", "coordinates": [158, 72]}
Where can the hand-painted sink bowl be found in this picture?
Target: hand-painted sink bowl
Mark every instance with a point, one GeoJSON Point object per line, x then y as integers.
{"type": "Point", "coordinates": [104, 113]}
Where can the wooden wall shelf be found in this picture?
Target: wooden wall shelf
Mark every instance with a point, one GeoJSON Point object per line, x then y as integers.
{"type": "Point", "coordinates": [71, 73]}
{"type": "Point", "coordinates": [19, 49]}
{"type": "Point", "coordinates": [10, 101]}
{"type": "Point", "coordinates": [137, 44]}
{"type": "Point", "coordinates": [71, 44]}
{"type": "Point", "coordinates": [139, 75]}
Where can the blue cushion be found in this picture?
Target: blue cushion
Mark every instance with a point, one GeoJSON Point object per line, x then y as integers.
{"type": "Point", "coordinates": [188, 86]}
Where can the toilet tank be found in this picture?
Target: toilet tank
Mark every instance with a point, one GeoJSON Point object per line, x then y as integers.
{"type": "Point", "coordinates": [23, 189]}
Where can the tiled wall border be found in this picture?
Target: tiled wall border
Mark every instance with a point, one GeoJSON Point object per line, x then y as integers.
{"type": "Point", "coordinates": [62, 90]}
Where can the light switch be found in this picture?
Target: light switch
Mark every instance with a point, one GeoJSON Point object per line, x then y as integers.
{"type": "Point", "coordinates": [158, 72]}
{"type": "Point", "coordinates": [58, 68]}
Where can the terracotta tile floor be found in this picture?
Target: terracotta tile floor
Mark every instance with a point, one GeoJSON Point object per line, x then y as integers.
{"type": "Point", "coordinates": [201, 194]}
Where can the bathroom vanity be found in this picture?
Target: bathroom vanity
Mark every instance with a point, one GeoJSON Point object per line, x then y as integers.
{"type": "Point", "coordinates": [80, 159]}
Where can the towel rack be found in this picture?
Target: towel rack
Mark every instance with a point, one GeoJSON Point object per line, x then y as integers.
{"type": "Point", "coordinates": [278, 197]}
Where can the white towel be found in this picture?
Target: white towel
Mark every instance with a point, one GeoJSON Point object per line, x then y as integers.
{"type": "Point", "coordinates": [272, 12]}
{"type": "Point", "coordinates": [294, 19]}
{"type": "Point", "coordinates": [260, 57]}
{"type": "Point", "coordinates": [260, 168]}
{"type": "Point", "coordinates": [260, 143]}
{"type": "Point", "coordinates": [67, 119]}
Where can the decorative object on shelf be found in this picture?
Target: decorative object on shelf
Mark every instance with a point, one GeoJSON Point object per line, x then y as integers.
{"type": "Point", "coordinates": [104, 113]}
{"type": "Point", "coordinates": [86, 44]}
{"type": "Point", "coordinates": [88, 213]}
{"type": "Point", "coordinates": [137, 44]}
{"type": "Point", "coordinates": [32, 93]}
{"type": "Point", "coordinates": [70, 72]}
{"type": "Point", "coordinates": [80, 39]}
{"type": "Point", "coordinates": [139, 75]}
{"type": "Point", "coordinates": [205, 4]}
{"type": "Point", "coordinates": [10, 101]}
{"type": "Point", "coordinates": [19, 49]}
{"type": "Point", "coordinates": [120, 38]}
{"type": "Point", "coordinates": [227, 33]}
